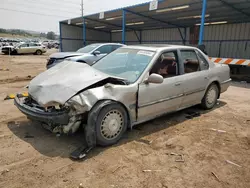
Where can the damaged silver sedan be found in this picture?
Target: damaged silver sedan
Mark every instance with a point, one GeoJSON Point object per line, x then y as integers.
{"type": "Point", "coordinates": [131, 85]}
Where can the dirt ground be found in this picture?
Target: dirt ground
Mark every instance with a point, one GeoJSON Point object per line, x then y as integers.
{"type": "Point", "coordinates": [145, 158]}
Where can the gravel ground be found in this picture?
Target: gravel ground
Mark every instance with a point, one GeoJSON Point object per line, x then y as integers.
{"type": "Point", "coordinates": [169, 152]}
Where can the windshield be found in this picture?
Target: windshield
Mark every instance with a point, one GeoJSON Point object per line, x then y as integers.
{"type": "Point", "coordinates": [125, 63]}
{"type": "Point", "coordinates": [88, 48]}
{"type": "Point", "coordinates": [17, 44]}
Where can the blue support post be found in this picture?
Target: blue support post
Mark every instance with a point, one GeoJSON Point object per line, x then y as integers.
{"type": "Point", "coordinates": [60, 39]}
{"type": "Point", "coordinates": [123, 26]}
{"type": "Point", "coordinates": [185, 36]}
{"type": "Point", "coordinates": [84, 32]}
{"type": "Point", "coordinates": [140, 36]}
{"type": "Point", "coordinates": [204, 7]}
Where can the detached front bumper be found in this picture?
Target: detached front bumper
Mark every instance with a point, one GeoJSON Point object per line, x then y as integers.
{"type": "Point", "coordinates": [56, 118]}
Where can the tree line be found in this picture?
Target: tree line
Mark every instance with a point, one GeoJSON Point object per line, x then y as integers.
{"type": "Point", "coordinates": [49, 35]}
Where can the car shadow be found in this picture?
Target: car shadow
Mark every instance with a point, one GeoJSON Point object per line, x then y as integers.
{"type": "Point", "coordinates": [30, 54]}
{"type": "Point", "coordinates": [242, 84]}
{"type": "Point", "coordinates": [52, 145]}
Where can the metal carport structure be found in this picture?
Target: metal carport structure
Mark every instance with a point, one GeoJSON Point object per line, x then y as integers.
{"type": "Point", "coordinates": [222, 25]}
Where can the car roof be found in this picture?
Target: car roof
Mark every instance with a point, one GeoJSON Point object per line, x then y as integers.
{"type": "Point", "coordinates": [107, 44]}
{"type": "Point", "coordinates": [157, 47]}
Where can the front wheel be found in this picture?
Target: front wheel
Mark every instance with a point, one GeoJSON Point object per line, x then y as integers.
{"type": "Point", "coordinates": [211, 96]}
{"type": "Point", "coordinates": [38, 52]}
{"type": "Point", "coordinates": [111, 123]}
{"type": "Point", "coordinates": [14, 52]}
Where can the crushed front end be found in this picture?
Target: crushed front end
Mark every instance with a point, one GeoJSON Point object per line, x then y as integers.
{"type": "Point", "coordinates": [57, 118]}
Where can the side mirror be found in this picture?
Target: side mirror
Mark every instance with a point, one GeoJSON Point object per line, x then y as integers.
{"type": "Point", "coordinates": [96, 52]}
{"type": "Point", "coordinates": [155, 79]}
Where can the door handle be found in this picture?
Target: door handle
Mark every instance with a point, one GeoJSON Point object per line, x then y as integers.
{"type": "Point", "coordinates": [206, 78]}
{"type": "Point", "coordinates": [177, 84]}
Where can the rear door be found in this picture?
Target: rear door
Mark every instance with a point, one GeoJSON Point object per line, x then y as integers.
{"type": "Point", "coordinates": [195, 77]}
{"type": "Point", "coordinates": [157, 99]}
{"type": "Point", "coordinates": [32, 48]}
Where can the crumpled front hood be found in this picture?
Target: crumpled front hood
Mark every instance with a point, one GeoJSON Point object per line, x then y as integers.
{"type": "Point", "coordinates": [61, 82]}
{"type": "Point", "coordinates": [61, 55]}
{"type": "Point", "coordinates": [7, 46]}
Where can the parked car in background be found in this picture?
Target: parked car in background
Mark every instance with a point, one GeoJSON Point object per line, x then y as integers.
{"type": "Point", "coordinates": [51, 44]}
{"type": "Point", "coordinates": [24, 48]}
{"type": "Point", "coordinates": [129, 86]}
{"type": "Point", "coordinates": [88, 54]}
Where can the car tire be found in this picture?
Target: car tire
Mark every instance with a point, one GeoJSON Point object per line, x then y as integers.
{"type": "Point", "coordinates": [110, 123]}
{"type": "Point", "coordinates": [39, 52]}
{"type": "Point", "coordinates": [210, 98]}
{"type": "Point", "coordinates": [14, 52]}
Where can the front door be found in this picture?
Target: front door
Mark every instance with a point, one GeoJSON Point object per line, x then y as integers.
{"type": "Point", "coordinates": [23, 48]}
{"type": "Point", "coordinates": [157, 99]}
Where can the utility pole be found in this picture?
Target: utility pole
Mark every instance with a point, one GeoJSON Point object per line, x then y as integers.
{"type": "Point", "coordinates": [82, 7]}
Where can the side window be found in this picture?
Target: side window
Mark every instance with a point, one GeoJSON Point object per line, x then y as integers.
{"type": "Point", "coordinates": [24, 45]}
{"type": "Point", "coordinates": [203, 62]}
{"type": "Point", "coordinates": [105, 49]}
{"type": "Point", "coordinates": [166, 65]}
{"type": "Point", "coordinates": [190, 61]}
{"type": "Point", "coordinates": [114, 47]}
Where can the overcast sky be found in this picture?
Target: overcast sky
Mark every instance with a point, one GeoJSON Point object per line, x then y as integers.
{"type": "Point", "coordinates": [44, 15]}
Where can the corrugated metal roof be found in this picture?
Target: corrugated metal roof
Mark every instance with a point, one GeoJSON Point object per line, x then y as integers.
{"type": "Point", "coordinates": [115, 10]}
{"type": "Point", "coordinates": [232, 11]}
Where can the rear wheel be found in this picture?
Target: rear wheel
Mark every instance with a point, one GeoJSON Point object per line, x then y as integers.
{"type": "Point", "coordinates": [38, 52]}
{"type": "Point", "coordinates": [211, 96]}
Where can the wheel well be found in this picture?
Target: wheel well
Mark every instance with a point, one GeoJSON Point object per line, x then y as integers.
{"type": "Point", "coordinates": [218, 85]}
{"type": "Point", "coordinates": [81, 61]}
{"type": "Point", "coordinates": [38, 50]}
{"type": "Point", "coordinates": [128, 115]}
{"type": "Point", "coordinates": [14, 51]}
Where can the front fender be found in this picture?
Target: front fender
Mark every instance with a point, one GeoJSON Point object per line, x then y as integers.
{"type": "Point", "coordinates": [83, 59]}
{"type": "Point", "coordinates": [124, 95]}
